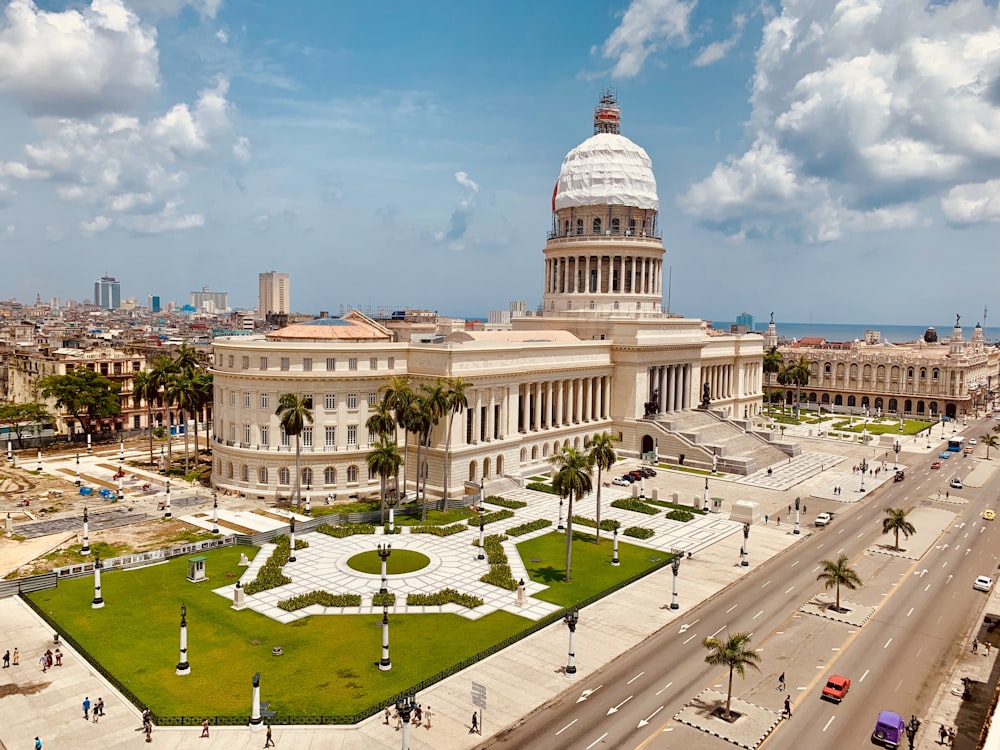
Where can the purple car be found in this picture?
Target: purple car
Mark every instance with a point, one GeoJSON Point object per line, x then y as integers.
{"type": "Point", "coordinates": [889, 729]}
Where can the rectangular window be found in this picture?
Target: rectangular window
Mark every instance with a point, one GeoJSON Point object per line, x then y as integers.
{"type": "Point", "coordinates": [263, 363]}
{"type": "Point", "coordinates": [286, 439]}
{"type": "Point", "coordinates": [352, 363]}
{"type": "Point", "coordinates": [265, 435]}
{"type": "Point", "coordinates": [246, 434]}
{"type": "Point", "coordinates": [352, 435]}
{"type": "Point", "coordinates": [246, 363]}
{"type": "Point", "coordinates": [330, 436]}
{"type": "Point", "coordinates": [330, 401]}
{"type": "Point", "coordinates": [331, 364]}
{"type": "Point", "coordinates": [232, 432]}
{"type": "Point", "coordinates": [246, 400]}
{"type": "Point", "coordinates": [391, 363]}
{"type": "Point", "coordinates": [307, 399]}
{"type": "Point", "coordinates": [371, 438]}
{"type": "Point", "coordinates": [265, 401]}
{"type": "Point", "coordinates": [372, 399]}
{"type": "Point", "coordinates": [307, 364]}
{"type": "Point", "coordinates": [352, 401]}
{"type": "Point", "coordinates": [285, 363]}
{"type": "Point", "coordinates": [373, 363]}
{"type": "Point", "coordinates": [232, 398]}
{"type": "Point", "coordinates": [307, 437]}
{"type": "Point", "coordinates": [232, 361]}
{"type": "Point", "coordinates": [135, 422]}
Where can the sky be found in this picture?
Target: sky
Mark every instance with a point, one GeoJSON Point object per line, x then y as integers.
{"type": "Point", "coordinates": [828, 161]}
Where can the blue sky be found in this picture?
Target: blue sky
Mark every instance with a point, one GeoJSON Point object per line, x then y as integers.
{"type": "Point", "coordinates": [834, 161]}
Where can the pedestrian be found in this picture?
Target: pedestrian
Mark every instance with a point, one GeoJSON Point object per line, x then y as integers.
{"type": "Point", "coordinates": [789, 510]}
{"type": "Point", "coordinates": [778, 520]}
{"type": "Point", "coordinates": [765, 519]}
{"type": "Point", "coordinates": [269, 741]}
{"type": "Point", "coordinates": [17, 656]}
{"type": "Point", "coordinates": [947, 494]}
{"type": "Point", "coordinates": [95, 717]}
{"type": "Point", "coordinates": [204, 728]}
{"type": "Point", "coordinates": [788, 705]}
{"type": "Point", "coordinates": [975, 645]}
{"type": "Point", "coordinates": [48, 658]}
{"type": "Point", "coordinates": [38, 744]}
{"type": "Point", "coordinates": [951, 735]}
{"type": "Point", "coordinates": [475, 724]}
{"type": "Point", "coordinates": [6, 658]}
{"type": "Point", "coordinates": [781, 682]}
{"type": "Point", "coordinates": [99, 706]}
{"type": "Point", "coordinates": [804, 509]}
{"type": "Point", "coordinates": [58, 658]}
{"type": "Point", "coordinates": [943, 734]}
{"type": "Point", "coordinates": [399, 720]}
{"type": "Point", "coordinates": [418, 715]}
{"type": "Point", "coordinates": [86, 708]}
{"type": "Point", "coordinates": [987, 644]}
{"type": "Point", "coordinates": [149, 731]}
{"type": "Point", "coordinates": [387, 716]}
{"type": "Point", "coordinates": [427, 713]}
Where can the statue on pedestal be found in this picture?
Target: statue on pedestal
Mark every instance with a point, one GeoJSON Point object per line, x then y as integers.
{"type": "Point", "coordinates": [706, 398]}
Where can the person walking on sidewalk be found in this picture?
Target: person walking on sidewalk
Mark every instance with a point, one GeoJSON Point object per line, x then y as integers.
{"type": "Point", "coordinates": [475, 724]}
{"type": "Point", "coordinates": [788, 706]}
{"type": "Point", "coordinates": [204, 728]}
{"type": "Point", "coordinates": [17, 656]}
{"type": "Point", "coordinates": [943, 734]}
{"type": "Point", "coordinates": [781, 682]}
{"type": "Point", "coordinates": [268, 740]}
{"type": "Point", "coordinates": [975, 648]}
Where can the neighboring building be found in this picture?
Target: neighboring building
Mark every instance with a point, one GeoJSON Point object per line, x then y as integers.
{"type": "Point", "coordinates": [154, 303]}
{"type": "Point", "coordinates": [924, 379]}
{"type": "Point", "coordinates": [210, 302]}
{"type": "Point", "coordinates": [274, 296]}
{"type": "Point", "coordinates": [744, 324]}
{"type": "Point", "coordinates": [600, 356]}
{"type": "Point", "coordinates": [107, 293]}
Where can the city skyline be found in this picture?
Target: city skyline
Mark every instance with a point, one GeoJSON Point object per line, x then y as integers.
{"type": "Point", "coordinates": [809, 160]}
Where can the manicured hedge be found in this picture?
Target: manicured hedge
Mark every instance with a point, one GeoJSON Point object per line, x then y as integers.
{"type": "Point", "coordinates": [438, 530]}
{"type": "Point", "coordinates": [270, 574]}
{"type": "Point", "coordinates": [499, 574]}
{"type": "Point", "coordinates": [505, 503]}
{"type": "Point", "coordinates": [680, 515]}
{"type": "Point", "coordinates": [346, 530]}
{"type": "Point", "coordinates": [542, 487]}
{"type": "Point", "coordinates": [608, 524]}
{"type": "Point", "coordinates": [387, 599]}
{"type": "Point", "coordinates": [677, 506]}
{"type": "Point", "coordinates": [527, 528]}
{"type": "Point", "coordinates": [634, 505]}
{"type": "Point", "coordinates": [444, 596]}
{"type": "Point", "coordinates": [395, 530]}
{"type": "Point", "coordinates": [497, 515]}
{"type": "Point", "coordinates": [301, 544]}
{"type": "Point", "coordinates": [324, 598]}
{"type": "Point", "coordinates": [638, 532]}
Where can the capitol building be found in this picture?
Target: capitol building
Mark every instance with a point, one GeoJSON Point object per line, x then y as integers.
{"type": "Point", "coordinates": [599, 354]}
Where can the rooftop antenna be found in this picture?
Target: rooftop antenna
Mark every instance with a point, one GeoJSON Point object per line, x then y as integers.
{"type": "Point", "coordinates": [607, 114]}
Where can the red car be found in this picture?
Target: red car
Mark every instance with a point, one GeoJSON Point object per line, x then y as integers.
{"type": "Point", "coordinates": [836, 688]}
{"type": "Point", "coordinates": [936, 465]}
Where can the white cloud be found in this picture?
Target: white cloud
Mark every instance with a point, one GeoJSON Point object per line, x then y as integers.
{"type": "Point", "coordinates": [241, 149]}
{"type": "Point", "coordinates": [162, 8]}
{"type": "Point", "coordinates": [646, 26]}
{"type": "Point", "coordinates": [968, 204]}
{"type": "Point", "coordinates": [166, 220]}
{"type": "Point", "coordinates": [716, 51]}
{"type": "Point", "coordinates": [461, 216]}
{"type": "Point", "coordinates": [76, 62]}
{"type": "Point", "coordinates": [861, 111]}
{"type": "Point", "coordinates": [222, 35]}
{"type": "Point", "coordinates": [99, 224]}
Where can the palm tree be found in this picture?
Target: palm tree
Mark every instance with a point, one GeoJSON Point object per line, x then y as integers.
{"type": "Point", "coordinates": [381, 421]}
{"type": "Point", "coordinates": [895, 520]}
{"type": "Point", "coordinates": [398, 395]}
{"type": "Point", "coordinates": [837, 572]}
{"type": "Point", "coordinates": [164, 369]}
{"type": "Point", "coordinates": [796, 373]}
{"type": "Point", "coordinates": [573, 478]}
{"type": "Point", "coordinates": [203, 393]}
{"type": "Point", "coordinates": [733, 652]}
{"type": "Point", "coordinates": [183, 391]}
{"type": "Point", "coordinates": [458, 401]}
{"type": "Point", "coordinates": [990, 441]}
{"type": "Point", "coordinates": [186, 359]}
{"type": "Point", "coordinates": [145, 389]}
{"type": "Point", "coordinates": [294, 412]}
{"type": "Point", "coordinates": [435, 398]}
{"type": "Point", "coordinates": [602, 455]}
{"type": "Point", "coordinates": [384, 461]}
{"type": "Point", "coordinates": [773, 362]}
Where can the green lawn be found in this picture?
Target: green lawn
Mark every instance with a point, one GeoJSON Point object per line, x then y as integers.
{"type": "Point", "coordinates": [436, 517]}
{"type": "Point", "coordinates": [591, 569]}
{"type": "Point", "coordinates": [399, 561]}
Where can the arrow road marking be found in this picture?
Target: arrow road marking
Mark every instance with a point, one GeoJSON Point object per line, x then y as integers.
{"type": "Point", "coordinates": [649, 718]}
{"type": "Point", "coordinates": [613, 709]}
{"type": "Point", "coordinates": [588, 692]}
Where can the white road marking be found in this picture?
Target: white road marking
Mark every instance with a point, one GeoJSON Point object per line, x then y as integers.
{"type": "Point", "coordinates": [597, 740]}
{"type": "Point", "coordinates": [637, 677]}
{"type": "Point", "coordinates": [614, 709]}
{"type": "Point", "coordinates": [862, 678]}
{"type": "Point", "coordinates": [664, 687]}
{"type": "Point", "coordinates": [887, 643]}
{"type": "Point", "coordinates": [693, 635]}
{"type": "Point", "coordinates": [758, 614]}
{"type": "Point", "coordinates": [645, 721]}
{"type": "Point", "coordinates": [910, 612]}
{"type": "Point", "coordinates": [732, 608]}
{"type": "Point", "coordinates": [828, 723]}
{"type": "Point", "coordinates": [789, 589]}
{"type": "Point", "coordinates": [927, 587]}
{"type": "Point", "coordinates": [566, 727]}
{"type": "Point", "coordinates": [795, 563]}
{"type": "Point", "coordinates": [765, 584]}
{"type": "Point", "coordinates": [718, 631]}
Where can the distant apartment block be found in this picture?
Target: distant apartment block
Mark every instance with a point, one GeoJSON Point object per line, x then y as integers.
{"type": "Point", "coordinates": [108, 293]}
{"type": "Point", "coordinates": [210, 302]}
{"type": "Point", "coordinates": [275, 294]}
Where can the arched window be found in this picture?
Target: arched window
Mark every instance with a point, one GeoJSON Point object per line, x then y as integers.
{"type": "Point", "coordinates": [524, 455]}
{"type": "Point", "coordinates": [838, 400]}
{"type": "Point", "coordinates": [596, 226]}
{"type": "Point", "coordinates": [579, 226]}
{"type": "Point", "coordinates": [920, 407]}
{"type": "Point", "coordinates": [827, 367]}
{"type": "Point", "coordinates": [329, 475]}
{"type": "Point", "coordinates": [854, 372]}
{"type": "Point", "coordinates": [851, 401]}
{"type": "Point", "coordinates": [631, 226]}
{"type": "Point", "coordinates": [566, 227]}
{"type": "Point", "coordinates": [284, 475]}
{"type": "Point", "coordinates": [878, 403]}
{"type": "Point", "coordinates": [534, 452]}
{"type": "Point", "coordinates": [545, 450]}
{"type": "Point", "coordinates": [307, 476]}
{"type": "Point", "coordinates": [826, 398]}
{"type": "Point", "coordinates": [245, 473]}
{"type": "Point", "coordinates": [909, 372]}
{"type": "Point", "coordinates": [892, 405]}
{"type": "Point", "coordinates": [352, 474]}
{"type": "Point", "coordinates": [908, 406]}
{"type": "Point", "coordinates": [616, 226]}
{"type": "Point", "coordinates": [923, 373]}
{"type": "Point", "coordinates": [932, 407]}
{"type": "Point", "coordinates": [262, 475]}
{"type": "Point", "coordinates": [936, 373]}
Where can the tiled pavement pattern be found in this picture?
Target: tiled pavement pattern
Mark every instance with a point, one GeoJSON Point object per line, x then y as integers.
{"type": "Point", "coordinates": [796, 469]}
{"type": "Point", "coordinates": [929, 523]}
{"type": "Point", "coordinates": [96, 520]}
{"type": "Point", "coordinates": [453, 560]}
{"type": "Point", "coordinates": [821, 605]}
{"type": "Point", "coordinates": [755, 723]}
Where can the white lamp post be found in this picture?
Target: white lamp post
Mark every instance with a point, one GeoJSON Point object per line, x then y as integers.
{"type": "Point", "coordinates": [182, 665]}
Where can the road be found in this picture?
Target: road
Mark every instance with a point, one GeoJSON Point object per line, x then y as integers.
{"type": "Point", "coordinates": [926, 607]}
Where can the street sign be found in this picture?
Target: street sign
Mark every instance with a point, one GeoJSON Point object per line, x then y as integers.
{"type": "Point", "coordinates": [479, 695]}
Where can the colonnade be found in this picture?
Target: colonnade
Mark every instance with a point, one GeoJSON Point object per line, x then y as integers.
{"type": "Point", "coordinates": [560, 403]}
{"type": "Point", "coordinates": [721, 380]}
{"type": "Point", "coordinates": [673, 384]}
{"type": "Point", "coordinates": [603, 274]}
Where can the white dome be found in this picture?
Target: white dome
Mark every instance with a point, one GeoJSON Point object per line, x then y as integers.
{"type": "Point", "coordinates": [607, 169]}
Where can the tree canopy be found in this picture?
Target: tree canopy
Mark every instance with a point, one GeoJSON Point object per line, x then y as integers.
{"type": "Point", "coordinates": [85, 394]}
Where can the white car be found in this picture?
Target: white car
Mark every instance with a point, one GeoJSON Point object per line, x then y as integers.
{"type": "Point", "coordinates": [620, 482]}
{"type": "Point", "coordinates": [823, 519]}
{"type": "Point", "coordinates": [972, 441]}
{"type": "Point", "coordinates": [956, 484]}
{"type": "Point", "coordinates": [983, 583]}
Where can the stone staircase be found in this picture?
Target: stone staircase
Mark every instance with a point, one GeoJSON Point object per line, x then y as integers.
{"type": "Point", "coordinates": [737, 451]}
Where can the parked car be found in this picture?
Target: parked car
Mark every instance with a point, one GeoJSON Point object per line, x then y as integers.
{"type": "Point", "coordinates": [823, 519]}
{"type": "Point", "coordinates": [621, 482]}
{"type": "Point", "coordinates": [955, 483]}
{"type": "Point", "coordinates": [650, 472]}
{"type": "Point", "coordinates": [982, 583]}
{"type": "Point", "coordinates": [972, 441]}
{"type": "Point", "coordinates": [936, 465]}
{"type": "Point", "coordinates": [627, 478]}
{"type": "Point", "coordinates": [636, 475]}
{"type": "Point", "coordinates": [989, 515]}
{"type": "Point", "coordinates": [836, 688]}
{"type": "Point", "coordinates": [889, 729]}
{"type": "Point", "coordinates": [900, 476]}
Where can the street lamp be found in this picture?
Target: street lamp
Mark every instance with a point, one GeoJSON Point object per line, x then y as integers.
{"type": "Point", "coordinates": [404, 707]}
{"type": "Point", "coordinates": [571, 619]}
{"type": "Point", "coordinates": [745, 551]}
{"type": "Point", "coordinates": [897, 448]}
{"type": "Point", "coordinates": [291, 538]}
{"type": "Point", "coordinates": [560, 526]}
{"type": "Point", "coordinates": [215, 511]}
{"type": "Point", "coordinates": [482, 532]}
{"type": "Point", "coordinates": [383, 551]}
{"type": "Point", "coordinates": [614, 552]}
{"type": "Point", "coordinates": [183, 667]}
{"type": "Point", "coordinates": [308, 498]}
{"type": "Point", "coordinates": [168, 513]}
{"type": "Point", "coordinates": [385, 664]}
{"type": "Point", "coordinates": [676, 565]}
{"type": "Point", "coordinates": [864, 470]}
{"type": "Point", "coordinates": [798, 503]}
{"type": "Point", "coordinates": [705, 499]}
{"type": "Point", "coordinates": [78, 481]}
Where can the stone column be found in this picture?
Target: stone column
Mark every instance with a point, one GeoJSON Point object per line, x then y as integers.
{"type": "Point", "coordinates": [538, 406]}
{"type": "Point", "coordinates": [560, 415]}
{"type": "Point", "coordinates": [476, 415]}
{"type": "Point", "coordinates": [687, 386]}
{"type": "Point", "coordinates": [607, 396]}
{"type": "Point", "coordinates": [579, 400]}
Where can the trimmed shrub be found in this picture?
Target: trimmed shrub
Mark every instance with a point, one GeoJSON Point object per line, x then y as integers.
{"type": "Point", "coordinates": [387, 599]}
{"type": "Point", "coordinates": [505, 503]}
{"type": "Point", "coordinates": [680, 515]}
{"type": "Point", "coordinates": [301, 544]}
{"type": "Point", "coordinates": [438, 530]}
{"type": "Point", "coordinates": [497, 515]}
{"type": "Point", "coordinates": [608, 524]}
{"type": "Point", "coordinates": [542, 487]}
{"type": "Point", "coordinates": [444, 596]}
{"type": "Point", "coordinates": [396, 530]}
{"type": "Point", "coordinates": [499, 574]}
{"type": "Point", "coordinates": [324, 598]}
{"type": "Point", "coordinates": [270, 574]}
{"type": "Point", "coordinates": [635, 506]}
{"type": "Point", "coordinates": [638, 532]}
{"type": "Point", "coordinates": [677, 506]}
{"type": "Point", "coordinates": [346, 530]}
{"type": "Point", "coordinates": [527, 528]}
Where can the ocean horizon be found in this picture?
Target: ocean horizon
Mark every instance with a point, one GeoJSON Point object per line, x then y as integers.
{"type": "Point", "coordinates": [850, 331]}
